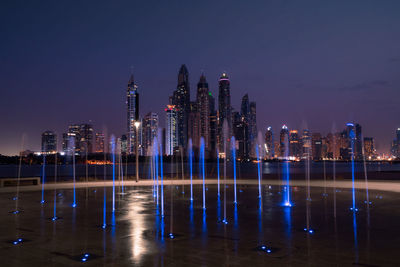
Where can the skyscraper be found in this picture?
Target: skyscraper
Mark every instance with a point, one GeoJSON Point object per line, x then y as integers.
{"type": "Point", "coordinates": [150, 129]}
{"type": "Point", "coordinates": [171, 142]}
{"type": "Point", "coordinates": [306, 143]}
{"type": "Point", "coordinates": [269, 143]}
{"type": "Point", "coordinates": [395, 149]}
{"type": "Point", "coordinates": [193, 126]}
{"type": "Point", "coordinates": [213, 127]}
{"type": "Point", "coordinates": [316, 141]}
{"type": "Point", "coordinates": [181, 100]}
{"type": "Point", "coordinates": [99, 143]}
{"type": "Point", "coordinates": [132, 102]}
{"type": "Point", "coordinates": [224, 109]}
{"type": "Point", "coordinates": [203, 108]}
{"type": "Point", "coordinates": [49, 142]}
{"type": "Point", "coordinates": [253, 129]}
{"type": "Point", "coordinates": [294, 144]}
{"type": "Point", "coordinates": [238, 126]}
{"type": "Point", "coordinates": [284, 142]}
{"type": "Point", "coordinates": [369, 147]}
{"type": "Point", "coordinates": [85, 138]}
{"type": "Point", "coordinates": [245, 127]}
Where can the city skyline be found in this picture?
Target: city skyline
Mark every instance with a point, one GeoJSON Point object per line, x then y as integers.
{"type": "Point", "coordinates": [305, 68]}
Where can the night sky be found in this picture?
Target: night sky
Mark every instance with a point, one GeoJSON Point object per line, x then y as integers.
{"type": "Point", "coordinates": [306, 63]}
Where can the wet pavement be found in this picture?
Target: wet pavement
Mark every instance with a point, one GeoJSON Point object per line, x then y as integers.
{"type": "Point", "coordinates": [257, 233]}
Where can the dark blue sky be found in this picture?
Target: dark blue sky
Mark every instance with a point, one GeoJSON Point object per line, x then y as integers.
{"type": "Point", "coordinates": [307, 63]}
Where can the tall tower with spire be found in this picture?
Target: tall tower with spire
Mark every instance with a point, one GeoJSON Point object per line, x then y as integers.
{"type": "Point", "coordinates": [132, 103]}
{"type": "Point", "coordinates": [203, 107]}
{"type": "Point", "coordinates": [181, 100]}
{"type": "Point", "coordinates": [224, 109]}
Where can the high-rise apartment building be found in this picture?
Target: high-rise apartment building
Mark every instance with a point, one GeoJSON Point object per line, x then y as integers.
{"type": "Point", "coordinates": [49, 142]}
{"type": "Point", "coordinates": [269, 143]}
{"type": "Point", "coordinates": [99, 143]}
{"type": "Point", "coordinates": [171, 138]}
{"type": "Point", "coordinates": [203, 108]}
{"type": "Point", "coordinates": [132, 102]}
{"type": "Point", "coordinates": [181, 100]}
{"type": "Point", "coordinates": [224, 110]}
{"type": "Point", "coordinates": [150, 130]}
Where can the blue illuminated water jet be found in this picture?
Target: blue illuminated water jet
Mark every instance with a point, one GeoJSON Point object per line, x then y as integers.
{"type": "Point", "coordinates": [191, 168]}
{"type": "Point", "coordinates": [43, 177]}
{"type": "Point", "coordinates": [203, 170]}
{"type": "Point", "coordinates": [113, 170]}
{"type": "Point", "coordinates": [55, 190]}
{"type": "Point", "coordinates": [162, 181]}
{"type": "Point", "coordinates": [233, 144]}
{"type": "Point", "coordinates": [73, 169]}
{"type": "Point", "coordinates": [352, 138]}
{"type": "Point", "coordinates": [286, 202]}
{"type": "Point", "coordinates": [218, 173]}
{"type": "Point", "coordinates": [259, 171]}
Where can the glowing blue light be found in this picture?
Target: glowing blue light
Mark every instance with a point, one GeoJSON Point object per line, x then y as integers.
{"type": "Point", "coordinates": [42, 201]}
{"type": "Point", "coordinates": [268, 251]}
{"type": "Point", "coordinates": [14, 198]}
{"type": "Point", "coordinates": [16, 212]}
{"type": "Point", "coordinates": [104, 226]}
{"type": "Point", "coordinates": [305, 229]}
{"type": "Point", "coordinates": [354, 209]}
{"type": "Point", "coordinates": [86, 255]}
{"type": "Point", "coordinates": [15, 242]}
{"type": "Point", "coordinates": [54, 218]}
{"type": "Point", "coordinates": [263, 247]}
{"type": "Point", "coordinates": [84, 259]}
{"type": "Point", "coordinates": [311, 231]}
{"type": "Point", "coordinates": [171, 236]}
{"type": "Point", "coordinates": [74, 205]}
{"type": "Point", "coordinates": [19, 239]}
{"type": "Point", "coordinates": [287, 204]}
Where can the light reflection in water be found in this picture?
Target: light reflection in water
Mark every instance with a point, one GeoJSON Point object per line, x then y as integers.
{"type": "Point", "coordinates": [137, 225]}
{"type": "Point", "coordinates": [355, 235]}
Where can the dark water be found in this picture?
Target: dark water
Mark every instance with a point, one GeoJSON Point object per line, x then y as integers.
{"type": "Point", "coordinates": [245, 170]}
{"type": "Point", "coordinates": [139, 236]}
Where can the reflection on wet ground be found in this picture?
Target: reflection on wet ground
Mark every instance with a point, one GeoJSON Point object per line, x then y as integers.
{"type": "Point", "coordinates": [256, 233]}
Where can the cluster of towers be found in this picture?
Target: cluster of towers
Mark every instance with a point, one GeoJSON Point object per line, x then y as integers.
{"type": "Point", "coordinates": [187, 119]}
{"type": "Point", "coordinates": [341, 145]}
{"type": "Point", "coordinates": [216, 123]}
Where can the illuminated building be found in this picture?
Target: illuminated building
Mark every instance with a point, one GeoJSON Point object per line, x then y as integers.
{"type": "Point", "coordinates": [132, 102]}
{"type": "Point", "coordinates": [369, 148]}
{"type": "Point", "coordinates": [239, 130]}
{"type": "Point", "coordinates": [124, 144]}
{"type": "Point", "coordinates": [85, 143]}
{"type": "Point", "coordinates": [283, 141]}
{"type": "Point", "coordinates": [68, 142]}
{"type": "Point", "coordinates": [99, 143]}
{"type": "Point", "coordinates": [306, 143]}
{"type": "Point", "coordinates": [253, 129]}
{"type": "Point", "coordinates": [269, 143]}
{"type": "Point", "coordinates": [245, 128]}
{"type": "Point", "coordinates": [150, 128]}
{"type": "Point", "coordinates": [203, 108]}
{"type": "Point", "coordinates": [194, 127]}
{"type": "Point", "coordinates": [181, 100]}
{"type": "Point", "coordinates": [294, 144]}
{"type": "Point", "coordinates": [395, 149]}
{"type": "Point", "coordinates": [49, 142]}
{"type": "Point", "coordinates": [224, 110]}
{"type": "Point", "coordinates": [171, 142]}
{"type": "Point", "coordinates": [213, 127]}
{"type": "Point", "coordinates": [316, 148]}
